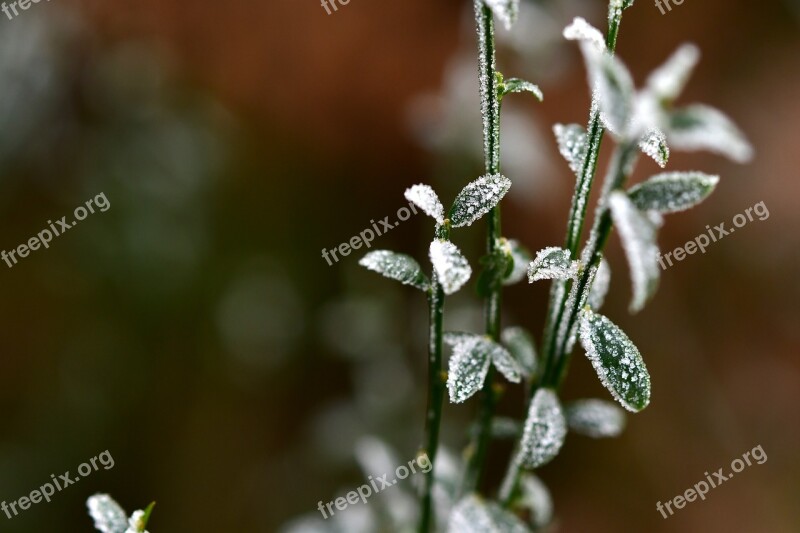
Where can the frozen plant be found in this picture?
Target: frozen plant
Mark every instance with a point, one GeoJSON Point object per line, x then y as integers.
{"type": "Point", "coordinates": [644, 121]}
{"type": "Point", "coordinates": [109, 517]}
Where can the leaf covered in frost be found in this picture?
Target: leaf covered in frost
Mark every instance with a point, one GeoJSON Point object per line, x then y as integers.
{"type": "Point", "coordinates": [521, 257]}
{"type": "Point", "coordinates": [672, 192]}
{"type": "Point", "coordinates": [396, 266]}
{"type": "Point", "coordinates": [595, 418]}
{"type": "Point", "coordinates": [616, 360]}
{"type": "Point", "coordinates": [614, 88]}
{"type": "Point", "coordinates": [700, 127]}
{"type": "Point", "coordinates": [474, 515]}
{"type": "Point", "coordinates": [572, 145]}
{"type": "Point", "coordinates": [424, 197]}
{"type": "Point", "coordinates": [552, 263]}
{"type": "Point", "coordinates": [582, 31]}
{"type": "Point", "coordinates": [452, 269]}
{"type": "Point", "coordinates": [521, 346]}
{"type": "Point", "coordinates": [506, 11]}
{"type": "Point", "coordinates": [516, 85]}
{"type": "Point", "coordinates": [667, 82]}
{"type": "Point", "coordinates": [545, 429]}
{"type": "Point", "coordinates": [535, 497]}
{"type": "Point", "coordinates": [654, 144]}
{"type": "Point", "coordinates": [472, 355]}
{"type": "Point", "coordinates": [638, 236]}
{"type": "Point", "coordinates": [107, 514]}
{"type": "Point", "coordinates": [602, 280]}
{"type": "Point", "coordinates": [477, 198]}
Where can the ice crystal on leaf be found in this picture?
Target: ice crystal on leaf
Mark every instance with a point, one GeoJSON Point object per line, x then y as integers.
{"type": "Point", "coordinates": [613, 84]}
{"type": "Point", "coordinates": [452, 269]}
{"type": "Point", "coordinates": [516, 85]}
{"type": "Point", "coordinates": [672, 192]}
{"type": "Point", "coordinates": [474, 515]}
{"type": "Point", "coordinates": [399, 267]}
{"type": "Point", "coordinates": [700, 127]}
{"type": "Point", "coordinates": [477, 198]}
{"type": "Point", "coordinates": [602, 280]}
{"type": "Point", "coordinates": [545, 430]}
{"type": "Point", "coordinates": [572, 145]}
{"type": "Point", "coordinates": [472, 355]}
{"type": "Point", "coordinates": [424, 197]}
{"type": "Point", "coordinates": [107, 514]}
{"type": "Point", "coordinates": [582, 31]}
{"type": "Point", "coordinates": [654, 144]}
{"type": "Point", "coordinates": [520, 343]}
{"type": "Point", "coordinates": [552, 263]}
{"type": "Point", "coordinates": [595, 418]}
{"type": "Point", "coordinates": [506, 11]}
{"type": "Point", "coordinates": [521, 257]}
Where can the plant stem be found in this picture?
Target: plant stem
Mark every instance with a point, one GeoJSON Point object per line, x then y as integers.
{"type": "Point", "coordinates": [490, 110]}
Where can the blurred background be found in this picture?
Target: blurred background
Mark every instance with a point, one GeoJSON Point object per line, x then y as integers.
{"type": "Point", "coordinates": [195, 331]}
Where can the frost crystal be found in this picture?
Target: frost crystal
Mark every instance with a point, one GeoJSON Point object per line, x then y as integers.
{"type": "Point", "coordinates": [424, 197]}
{"type": "Point", "coordinates": [472, 355]}
{"type": "Point", "coordinates": [638, 236]}
{"type": "Point", "coordinates": [654, 144]}
{"type": "Point", "coordinates": [108, 516]}
{"type": "Point", "coordinates": [572, 145]}
{"type": "Point", "coordinates": [672, 192]}
{"type": "Point", "coordinates": [545, 429]}
{"type": "Point", "coordinates": [552, 263]}
{"type": "Point", "coordinates": [452, 269]}
{"type": "Point", "coordinates": [582, 31]}
{"type": "Point", "coordinates": [700, 127]}
{"type": "Point", "coordinates": [597, 294]}
{"type": "Point", "coordinates": [396, 266]}
{"type": "Point", "coordinates": [136, 523]}
{"type": "Point", "coordinates": [595, 418]}
{"type": "Point", "coordinates": [477, 198]}
{"type": "Point", "coordinates": [505, 10]}
{"type": "Point", "coordinates": [516, 85]}
{"type": "Point", "coordinates": [616, 360]}
{"type": "Point", "coordinates": [474, 515]}
{"type": "Point", "coordinates": [520, 344]}
{"type": "Point", "coordinates": [668, 80]}
{"type": "Point", "coordinates": [521, 258]}
{"type": "Point", "coordinates": [536, 498]}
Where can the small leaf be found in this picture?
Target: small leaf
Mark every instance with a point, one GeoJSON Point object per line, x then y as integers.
{"type": "Point", "coordinates": [638, 236]}
{"type": "Point", "coordinates": [654, 144]}
{"type": "Point", "coordinates": [602, 280]}
{"type": "Point", "coordinates": [552, 263]}
{"type": "Point", "coordinates": [470, 361]}
{"type": "Point", "coordinates": [506, 11]}
{"type": "Point", "coordinates": [521, 257]}
{"type": "Point", "coordinates": [516, 85]}
{"type": "Point", "coordinates": [474, 515]}
{"type": "Point", "coordinates": [545, 429]}
{"type": "Point", "coordinates": [572, 145]}
{"type": "Point", "coordinates": [452, 269]}
{"type": "Point", "coordinates": [396, 266]}
{"type": "Point", "coordinates": [700, 127]}
{"type": "Point", "coordinates": [535, 497]}
{"type": "Point", "coordinates": [477, 198]}
{"type": "Point", "coordinates": [424, 197]}
{"type": "Point", "coordinates": [595, 418]}
{"type": "Point", "coordinates": [667, 82]}
{"type": "Point", "coordinates": [522, 348]}
{"type": "Point", "coordinates": [616, 360]}
{"type": "Point", "coordinates": [613, 85]}
{"type": "Point", "coordinates": [672, 192]}
{"type": "Point", "coordinates": [582, 31]}
{"type": "Point", "coordinates": [505, 428]}
{"type": "Point", "coordinates": [107, 514]}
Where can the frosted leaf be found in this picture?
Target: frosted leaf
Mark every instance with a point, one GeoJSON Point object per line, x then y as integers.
{"type": "Point", "coordinates": [505, 10]}
{"type": "Point", "coordinates": [602, 280]}
{"type": "Point", "coordinates": [616, 360]}
{"type": "Point", "coordinates": [672, 192]}
{"type": "Point", "coordinates": [505, 428]}
{"type": "Point", "coordinates": [545, 430]}
{"type": "Point", "coordinates": [582, 31]}
{"type": "Point", "coordinates": [470, 361]}
{"type": "Point", "coordinates": [399, 267]}
{"type": "Point", "coordinates": [521, 257]}
{"type": "Point", "coordinates": [638, 236]}
{"type": "Point", "coordinates": [552, 263]}
{"type": "Point", "coordinates": [452, 269]}
{"type": "Point", "coordinates": [477, 198]}
{"type": "Point", "coordinates": [613, 86]}
{"type": "Point", "coordinates": [108, 516]}
{"type": "Point", "coordinates": [535, 497]}
{"type": "Point", "coordinates": [572, 145]}
{"type": "Point", "coordinates": [668, 80]}
{"type": "Point", "coordinates": [700, 127]}
{"type": "Point", "coordinates": [474, 515]}
{"type": "Point", "coordinates": [424, 197]}
{"type": "Point", "coordinates": [520, 344]}
{"type": "Point", "coordinates": [516, 85]}
{"type": "Point", "coordinates": [137, 522]}
{"type": "Point", "coordinates": [595, 418]}
{"type": "Point", "coordinates": [654, 144]}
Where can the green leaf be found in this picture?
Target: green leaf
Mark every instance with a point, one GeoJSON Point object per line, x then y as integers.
{"type": "Point", "coordinates": [572, 145]}
{"type": "Point", "coordinates": [545, 430]}
{"type": "Point", "coordinates": [614, 86]}
{"type": "Point", "coordinates": [700, 127]}
{"type": "Point", "coordinates": [396, 266]}
{"type": "Point", "coordinates": [516, 85]}
{"type": "Point", "coordinates": [672, 192]}
{"type": "Point", "coordinates": [521, 346]}
{"type": "Point", "coordinates": [474, 515]}
{"type": "Point", "coordinates": [666, 83]}
{"type": "Point", "coordinates": [470, 361]}
{"type": "Point", "coordinates": [496, 268]}
{"type": "Point", "coordinates": [146, 516]}
{"type": "Point", "coordinates": [477, 198]}
{"type": "Point", "coordinates": [451, 267]}
{"type": "Point", "coordinates": [616, 360]}
{"type": "Point", "coordinates": [654, 144]}
{"type": "Point", "coordinates": [595, 418]}
{"type": "Point", "coordinates": [552, 263]}
{"type": "Point", "coordinates": [521, 257]}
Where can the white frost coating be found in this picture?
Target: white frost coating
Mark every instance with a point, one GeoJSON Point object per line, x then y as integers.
{"type": "Point", "coordinates": [614, 86]}
{"type": "Point", "coordinates": [700, 127]}
{"type": "Point", "coordinates": [595, 418]}
{"type": "Point", "coordinates": [108, 516]}
{"type": "Point", "coordinates": [521, 346]}
{"type": "Point", "coordinates": [552, 263]}
{"type": "Point", "coordinates": [505, 10]}
{"type": "Point", "coordinates": [668, 80]}
{"type": "Point", "coordinates": [616, 360]}
{"type": "Point", "coordinates": [545, 430]}
{"type": "Point", "coordinates": [572, 145]}
{"type": "Point", "coordinates": [472, 355]}
{"type": "Point", "coordinates": [602, 280]}
{"type": "Point", "coordinates": [672, 192]}
{"type": "Point", "coordinates": [639, 241]}
{"type": "Point", "coordinates": [474, 515]}
{"type": "Point", "coordinates": [654, 144]}
{"type": "Point", "coordinates": [582, 31]}
{"type": "Point", "coordinates": [424, 197]}
{"type": "Point", "coordinates": [395, 266]}
{"type": "Point", "coordinates": [535, 497]}
{"type": "Point", "coordinates": [506, 364]}
{"type": "Point", "coordinates": [477, 198]}
{"type": "Point", "coordinates": [452, 269]}
{"type": "Point", "coordinates": [136, 523]}
{"type": "Point", "coordinates": [521, 259]}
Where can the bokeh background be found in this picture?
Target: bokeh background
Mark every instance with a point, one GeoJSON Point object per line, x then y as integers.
{"type": "Point", "coordinates": [195, 332]}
